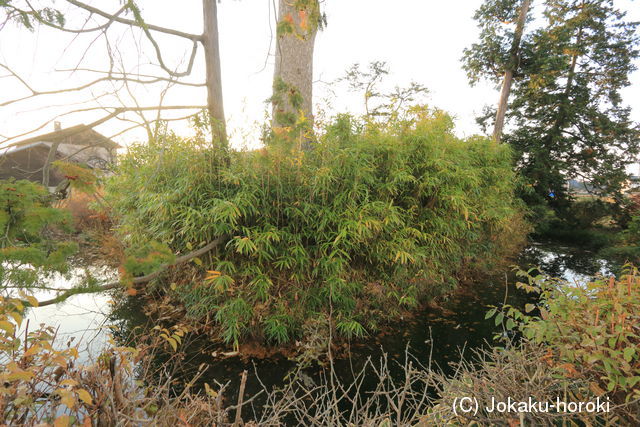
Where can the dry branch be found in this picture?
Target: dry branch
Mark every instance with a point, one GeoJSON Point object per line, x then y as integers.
{"type": "Point", "coordinates": [66, 293]}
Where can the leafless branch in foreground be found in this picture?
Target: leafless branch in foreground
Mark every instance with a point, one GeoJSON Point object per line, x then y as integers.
{"type": "Point", "coordinates": [112, 27]}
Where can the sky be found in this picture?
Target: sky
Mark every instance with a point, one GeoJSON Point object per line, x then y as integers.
{"type": "Point", "coordinates": [420, 40]}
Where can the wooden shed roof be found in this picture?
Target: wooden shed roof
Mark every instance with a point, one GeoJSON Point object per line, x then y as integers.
{"type": "Point", "coordinates": [76, 135]}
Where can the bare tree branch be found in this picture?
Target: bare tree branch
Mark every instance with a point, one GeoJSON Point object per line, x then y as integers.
{"type": "Point", "coordinates": [38, 16]}
{"type": "Point", "coordinates": [154, 79]}
{"type": "Point", "coordinates": [134, 23]}
{"type": "Point", "coordinates": [89, 19]}
{"type": "Point", "coordinates": [66, 293]}
{"type": "Point", "coordinates": [116, 112]}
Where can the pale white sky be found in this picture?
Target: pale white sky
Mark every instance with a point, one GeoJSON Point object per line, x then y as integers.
{"type": "Point", "coordinates": [421, 40]}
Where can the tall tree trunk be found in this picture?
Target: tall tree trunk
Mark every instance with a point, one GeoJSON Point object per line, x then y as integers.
{"type": "Point", "coordinates": [293, 76]}
{"type": "Point", "coordinates": [508, 75]}
{"type": "Point", "coordinates": [211, 45]}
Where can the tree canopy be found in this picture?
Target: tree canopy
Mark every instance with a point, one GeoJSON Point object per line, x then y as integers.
{"type": "Point", "coordinates": [566, 118]}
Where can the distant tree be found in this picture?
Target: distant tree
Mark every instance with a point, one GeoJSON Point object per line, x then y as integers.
{"type": "Point", "coordinates": [567, 118]}
{"type": "Point", "coordinates": [498, 53]}
{"type": "Point", "coordinates": [292, 100]}
{"type": "Point", "coordinates": [379, 102]}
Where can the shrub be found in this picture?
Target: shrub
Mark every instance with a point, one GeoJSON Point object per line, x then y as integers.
{"type": "Point", "coordinates": [363, 226]}
{"type": "Point", "coordinates": [633, 232]}
{"type": "Point", "coordinates": [627, 248]}
{"type": "Point", "coordinates": [590, 330]}
{"type": "Point", "coordinates": [29, 249]}
{"type": "Point", "coordinates": [522, 373]}
{"type": "Point", "coordinates": [586, 213]}
{"type": "Point", "coordinates": [44, 381]}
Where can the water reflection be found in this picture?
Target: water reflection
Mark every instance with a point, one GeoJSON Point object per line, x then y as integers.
{"type": "Point", "coordinates": [81, 319]}
{"type": "Point", "coordinates": [573, 264]}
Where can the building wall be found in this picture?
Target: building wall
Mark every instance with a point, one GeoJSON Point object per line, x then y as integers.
{"type": "Point", "coordinates": [28, 163]}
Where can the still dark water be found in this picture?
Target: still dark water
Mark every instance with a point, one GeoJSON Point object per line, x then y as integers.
{"type": "Point", "coordinates": [442, 335]}
{"type": "Point", "coordinates": [433, 335]}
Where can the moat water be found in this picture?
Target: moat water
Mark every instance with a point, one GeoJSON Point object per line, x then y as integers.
{"type": "Point", "coordinates": [436, 336]}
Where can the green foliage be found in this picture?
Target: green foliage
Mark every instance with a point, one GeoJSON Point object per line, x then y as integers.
{"type": "Point", "coordinates": [277, 328]}
{"type": "Point", "coordinates": [147, 258]}
{"type": "Point", "coordinates": [623, 252]}
{"type": "Point", "coordinates": [234, 316]}
{"type": "Point", "coordinates": [350, 329]}
{"type": "Point", "coordinates": [566, 118]}
{"type": "Point", "coordinates": [586, 213]}
{"type": "Point", "coordinates": [27, 18]}
{"type": "Point", "coordinates": [590, 329]}
{"type": "Point", "coordinates": [80, 177]}
{"type": "Point", "coordinates": [28, 250]}
{"type": "Point", "coordinates": [490, 56]}
{"type": "Point", "coordinates": [286, 98]}
{"type": "Point", "coordinates": [306, 20]}
{"type": "Point", "coordinates": [366, 224]}
{"type": "Point", "coordinates": [633, 232]}
{"type": "Point", "coordinates": [627, 248]}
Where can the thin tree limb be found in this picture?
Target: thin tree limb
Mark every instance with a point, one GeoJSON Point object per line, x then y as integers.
{"type": "Point", "coordinates": [137, 280]}
{"type": "Point", "coordinates": [116, 111]}
{"type": "Point", "coordinates": [134, 23]}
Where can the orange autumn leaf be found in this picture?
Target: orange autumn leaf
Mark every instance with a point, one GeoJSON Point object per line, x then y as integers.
{"type": "Point", "coordinates": [571, 371]}
{"type": "Point", "coordinates": [547, 358]}
{"type": "Point", "coordinates": [304, 24]}
{"type": "Point", "coordinates": [131, 292]}
{"type": "Point", "coordinates": [212, 274]}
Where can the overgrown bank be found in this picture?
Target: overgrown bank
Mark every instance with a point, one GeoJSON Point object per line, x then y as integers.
{"type": "Point", "coordinates": [610, 226]}
{"type": "Point", "coordinates": [365, 225]}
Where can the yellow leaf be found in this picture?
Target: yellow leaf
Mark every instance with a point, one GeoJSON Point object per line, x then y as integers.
{"type": "Point", "coordinates": [32, 300]}
{"type": "Point", "coordinates": [60, 361]}
{"type": "Point", "coordinates": [17, 317]}
{"type": "Point", "coordinates": [62, 421]}
{"type": "Point", "coordinates": [210, 391]}
{"type": "Point", "coordinates": [68, 400]}
{"type": "Point", "coordinates": [32, 350]}
{"type": "Point", "coordinates": [20, 374]}
{"type": "Point", "coordinates": [84, 396]}
{"type": "Point", "coordinates": [69, 382]}
{"type": "Point", "coordinates": [7, 326]}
